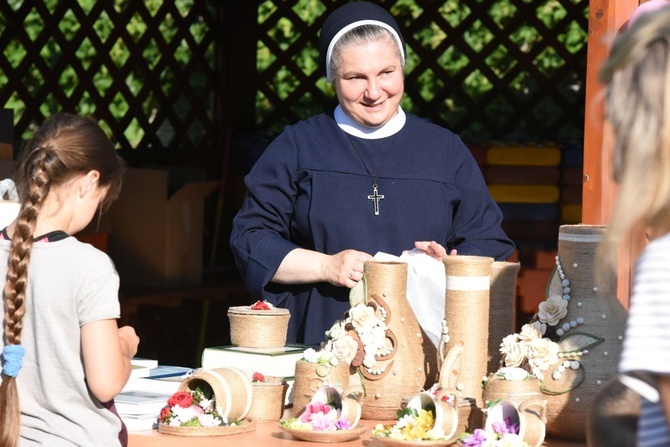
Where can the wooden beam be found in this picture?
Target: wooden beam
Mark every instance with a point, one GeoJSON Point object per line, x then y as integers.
{"type": "Point", "coordinates": [606, 18]}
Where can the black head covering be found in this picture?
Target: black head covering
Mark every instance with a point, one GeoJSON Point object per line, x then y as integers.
{"type": "Point", "coordinates": [348, 14]}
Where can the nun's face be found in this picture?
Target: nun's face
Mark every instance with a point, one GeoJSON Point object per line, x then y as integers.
{"type": "Point", "coordinates": [369, 82]}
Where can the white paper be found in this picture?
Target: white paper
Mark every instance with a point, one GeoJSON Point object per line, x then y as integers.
{"type": "Point", "coordinates": [426, 288]}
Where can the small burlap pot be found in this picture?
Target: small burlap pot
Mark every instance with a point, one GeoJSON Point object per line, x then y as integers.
{"type": "Point", "coordinates": [502, 308]}
{"type": "Point", "coordinates": [590, 332]}
{"type": "Point", "coordinates": [258, 328]}
{"type": "Point", "coordinates": [467, 317]}
{"type": "Point", "coordinates": [498, 389]}
{"type": "Point", "coordinates": [310, 377]}
{"type": "Point", "coordinates": [268, 399]}
{"type": "Point", "coordinates": [412, 363]}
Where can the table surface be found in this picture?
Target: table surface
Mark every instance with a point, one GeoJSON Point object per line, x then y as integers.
{"type": "Point", "coordinates": [269, 434]}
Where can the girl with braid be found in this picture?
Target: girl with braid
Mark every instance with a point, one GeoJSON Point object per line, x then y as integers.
{"type": "Point", "coordinates": [63, 357]}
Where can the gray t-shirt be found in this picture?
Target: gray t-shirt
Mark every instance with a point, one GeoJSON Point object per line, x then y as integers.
{"type": "Point", "coordinates": [70, 284]}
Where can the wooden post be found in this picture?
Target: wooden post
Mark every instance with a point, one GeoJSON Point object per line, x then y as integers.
{"type": "Point", "coordinates": [606, 17]}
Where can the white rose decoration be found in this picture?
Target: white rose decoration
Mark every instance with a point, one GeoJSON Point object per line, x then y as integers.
{"type": "Point", "coordinates": [336, 331]}
{"type": "Point", "coordinates": [513, 352]}
{"type": "Point", "coordinates": [542, 353]}
{"type": "Point", "coordinates": [540, 327]}
{"type": "Point", "coordinates": [345, 349]}
{"type": "Point", "coordinates": [362, 316]}
{"type": "Point", "coordinates": [529, 332]}
{"type": "Point", "coordinates": [552, 310]}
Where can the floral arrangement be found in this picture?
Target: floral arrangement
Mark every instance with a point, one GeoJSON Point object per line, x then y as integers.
{"type": "Point", "coordinates": [194, 408]}
{"type": "Point", "coordinates": [257, 377]}
{"type": "Point", "coordinates": [501, 434]}
{"type": "Point", "coordinates": [527, 354]}
{"type": "Point", "coordinates": [362, 338]}
{"type": "Point", "coordinates": [412, 425]}
{"type": "Point", "coordinates": [319, 416]}
{"type": "Point", "coordinates": [262, 305]}
{"type": "Point", "coordinates": [322, 357]}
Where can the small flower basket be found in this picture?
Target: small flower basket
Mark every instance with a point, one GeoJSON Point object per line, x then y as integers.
{"type": "Point", "coordinates": [269, 394]}
{"type": "Point", "coordinates": [209, 403]}
{"type": "Point", "coordinates": [258, 326]}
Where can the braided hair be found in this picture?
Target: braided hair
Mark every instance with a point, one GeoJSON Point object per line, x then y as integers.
{"type": "Point", "coordinates": [64, 147]}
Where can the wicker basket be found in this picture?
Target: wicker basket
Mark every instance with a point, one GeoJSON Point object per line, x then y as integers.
{"type": "Point", "coordinates": [258, 328]}
{"type": "Point", "coordinates": [268, 400]}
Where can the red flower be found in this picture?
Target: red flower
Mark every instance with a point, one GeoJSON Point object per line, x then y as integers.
{"type": "Point", "coordinates": [181, 398]}
{"type": "Point", "coordinates": [164, 412]}
{"type": "Point", "coordinates": [258, 377]}
{"type": "Point", "coordinates": [260, 305]}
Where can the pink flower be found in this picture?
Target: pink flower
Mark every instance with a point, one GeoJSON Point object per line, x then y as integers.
{"type": "Point", "coordinates": [320, 416]}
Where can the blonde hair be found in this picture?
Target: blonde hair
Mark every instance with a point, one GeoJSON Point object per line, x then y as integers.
{"type": "Point", "coordinates": [64, 146]}
{"type": "Point", "coordinates": [636, 77]}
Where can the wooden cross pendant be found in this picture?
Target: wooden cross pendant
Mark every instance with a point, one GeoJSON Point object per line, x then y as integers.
{"type": "Point", "coordinates": [375, 197]}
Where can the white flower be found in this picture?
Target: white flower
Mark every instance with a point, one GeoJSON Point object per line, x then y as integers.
{"type": "Point", "coordinates": [513, 373]}
{"type": "Point", "coordinates": [529, 332]}
{"type": "Point", "coordinates": [435, 434]}
{"type": "Point", "coordinates": [513, 352]}
{"type": "Point", "coordinates": [542, 327]}
{"type": "Point", "coordinates": [336, 331]}
{"type": "Point", "coordinates": [363, 316]}
{"type": "Point", "coordinates": [185, 414]}
{"type": "Point", "coordinates": [552, 310]}
{"type": "Point", "coordinates": [510, 440]}
{"type": "Point", "coordinates": [310, 355]}
{"type": "Point", "coordinates": [206, 404]}
{"type": "Point", "coordinates": [208, 420]}
{"type": "Point", "coordinates": [344, 349]}
{"type": "Point", "coordinates": [542, 353]}
{"type": "Point", "coordinates": [369, 360]}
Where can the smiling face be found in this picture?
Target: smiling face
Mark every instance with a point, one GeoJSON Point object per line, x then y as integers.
{"type": "Point", "coordinates": [369, 81]}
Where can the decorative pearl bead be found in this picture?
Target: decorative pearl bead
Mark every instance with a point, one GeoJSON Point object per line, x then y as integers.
{"type": "Point", "coordinates": [560, 332]}
{"type": "Point", "coordinates": [574, 365]}
{"type": "Point", "coordinates": [419, 369]}
{"type": "Point", "coordinates": [585, 351]}
{"type": "Point", "coordinates": [599, 382]}
{"type": "Point", "coordinates": [402, 319]}
{"type": "Point", "coordinates": [378, 395]}
{"type": "Point", "coordinates": [603, 317]}
{"type": "Point", "coordinates": [573, 323]}
{"type": "Point", "coordinates": [580, 320]}
{"type": "Point", "coordinates": [418, 335]}
{"type": "Point", "coordinates": [565, 282]}
{"type": "Point", "coordinates": [577, 399]}
{"type": "Point", "coordinates": [619, 337]}
{"type": "Point", "coordinates": [605, 353]}
{"type": "Point", "coordinates": [394, 372]}
{"type": "Point", "coordinates": [579, 304]}
{"type": "Point", "coordinates": [575, 265]}
{"type": "Point", "coordinates": [595, 289]}
{"type": "Point", "coordinates": [384, 294]}
{"type": "Point", "coordinates": [566, 327]}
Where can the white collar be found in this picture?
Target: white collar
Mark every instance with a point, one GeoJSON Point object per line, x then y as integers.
{"type": "Point", "coordinates": [351, 127]}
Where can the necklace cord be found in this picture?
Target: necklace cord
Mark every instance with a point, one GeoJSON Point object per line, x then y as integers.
{"type": "Point", "coordinates": [360, 156]}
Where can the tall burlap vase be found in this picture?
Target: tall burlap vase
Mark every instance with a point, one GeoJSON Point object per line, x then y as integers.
{"type": "Point", "coordinates": [502, 308]}
{"type": "Point", "coordinates": [412, 364]}
{"type": "Point", "coordinates": [593, 330]}
{"type": "Point", "coordinates": [467, 316]}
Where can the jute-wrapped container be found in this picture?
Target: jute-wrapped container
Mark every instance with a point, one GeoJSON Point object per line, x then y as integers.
{"type": "Point", "coordinates": [595, 323]}
{"type": "Point", "coordinates": [251, 328]}
{"type": "Point", "coordinates": [516, 391]}
{"type": "Point", "coordinates": [502, 308]}
{"type": "Point", "coordinates": [233, 397]}
{"type": "Point", "coordinates": [311, 377]}
{"type": "Point", "coordinates": [412, 363]}
{"type": "Point", "coordinates": [467, 317]}
{"type": "Point", "coordinates": [268, 399]}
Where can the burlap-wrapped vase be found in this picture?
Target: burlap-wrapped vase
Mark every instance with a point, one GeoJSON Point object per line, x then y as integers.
{"type": "Point", "coordinates": [502, 308]}
{"type": "Point", "coordinates": [529, 415]}
{"type": "Point", "coordinates": [589, 335]}
{"type": "Point", "coordinates": [268, 399]}
{"type": "Point", "coordinates": [251, 328]}
{"type": "Point", "coordinates": [467, 317]}
{"type": "Point", "coordinates": [411, 364]}
{"type": "Point", "coordinates": [310, 377]}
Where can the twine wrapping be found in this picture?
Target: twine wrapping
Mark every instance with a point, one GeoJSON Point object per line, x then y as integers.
{"type": "Point", "coordinates": [258, 328]}
{"type": "Point", "coordinates": [268, 399]}
{"type": "Point", "coordinates": [412, 366]}
{"type": "Point", "coordinates": [570, 397]}
{"type": "Point", "coordinates": [502, 308]}
{"type": "Point", "coordinates": [310, 377]}
{"type": "Point", "coordinates": [467, 315]}
{"type": "Point", "coordinates": [231, 387]}
{"type": "Point", "coordinates": [497, 388]}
